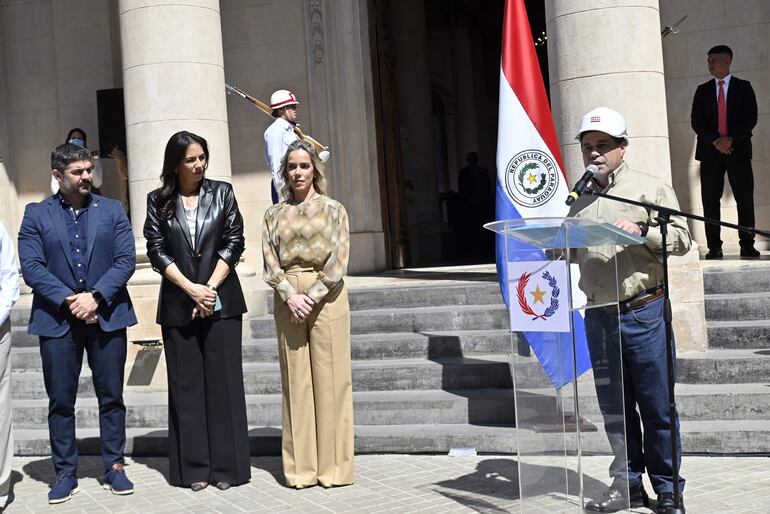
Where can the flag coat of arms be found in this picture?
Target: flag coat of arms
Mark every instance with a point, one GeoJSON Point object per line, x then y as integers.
{"type": "Point", "coordinates": [531, 183]}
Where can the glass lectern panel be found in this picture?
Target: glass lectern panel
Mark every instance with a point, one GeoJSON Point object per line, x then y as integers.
{"type": "Point", "coordinates": [570, 433]}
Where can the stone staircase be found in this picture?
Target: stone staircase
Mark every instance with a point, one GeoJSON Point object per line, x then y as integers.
{"type": "Point", "coordinates": [431, 372]}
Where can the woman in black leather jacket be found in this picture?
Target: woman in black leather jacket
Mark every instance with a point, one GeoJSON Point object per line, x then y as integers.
{"type": "Point", "coordinates": [194, 235]}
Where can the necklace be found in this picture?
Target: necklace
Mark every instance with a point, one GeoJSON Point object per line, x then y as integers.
{"type": "Point", "coordinates": [190, 201]}
{"type": "Point", "coordinates": [304, 203]}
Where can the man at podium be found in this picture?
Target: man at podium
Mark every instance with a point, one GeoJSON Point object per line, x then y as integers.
{"type": "Point", "coordinates": [638, 316]}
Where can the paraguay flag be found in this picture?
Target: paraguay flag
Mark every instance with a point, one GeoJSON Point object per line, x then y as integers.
{"type": "Point", "coordinates": [530, 179]}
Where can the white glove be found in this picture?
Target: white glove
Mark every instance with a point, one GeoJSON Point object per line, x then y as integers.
{"type": "Point", "coordinates": [324, 155]}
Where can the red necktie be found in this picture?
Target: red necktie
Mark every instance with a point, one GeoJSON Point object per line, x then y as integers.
{"type": "Point", "coordinates": [722, 109]}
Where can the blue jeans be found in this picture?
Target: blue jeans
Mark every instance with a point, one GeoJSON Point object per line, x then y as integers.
{"type": "Point", "coordinates": [644, 387]}
{"type": "Point", "coordinates": [62, 360]}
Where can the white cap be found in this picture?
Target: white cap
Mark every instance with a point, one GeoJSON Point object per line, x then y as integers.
{"type": "Point", "coordinates": [282, 98]}
{"type": "Point", "coordinates": [603, 119]}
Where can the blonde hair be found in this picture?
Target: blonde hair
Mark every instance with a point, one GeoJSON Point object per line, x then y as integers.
{"type": "Point", "coordinates": [319, 178]}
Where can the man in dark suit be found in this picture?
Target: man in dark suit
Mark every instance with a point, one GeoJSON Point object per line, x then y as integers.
{"type": "Point", "coordinates": [77, 253]}
{"type": "Point", "coordinates": [724, 111]}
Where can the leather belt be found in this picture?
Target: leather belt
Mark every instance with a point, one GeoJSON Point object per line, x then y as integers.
{"type": "Point", "coordinates": [637, 301]}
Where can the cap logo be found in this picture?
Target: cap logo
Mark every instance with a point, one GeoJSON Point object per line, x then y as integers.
{"type": "Point", "coordinates": [595, 119]}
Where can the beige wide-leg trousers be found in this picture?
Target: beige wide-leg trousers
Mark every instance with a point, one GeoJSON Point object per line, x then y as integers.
{"type": "Point", "coordinates": [6, 430]}
{"type": "Point", "coordinates": [317, 440]}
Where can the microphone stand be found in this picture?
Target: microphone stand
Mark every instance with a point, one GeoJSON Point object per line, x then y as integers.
{"type": "Point", "coordinates": [663, 218]}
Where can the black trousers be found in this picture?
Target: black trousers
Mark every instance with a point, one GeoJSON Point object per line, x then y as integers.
{"type": "Point", "coordinates": [207, 425]}
{"type": "Point", "coordinates": [712, 184]}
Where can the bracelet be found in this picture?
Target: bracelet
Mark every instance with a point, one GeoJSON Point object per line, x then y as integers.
{"type": "Point", "coordinates": [643, 227]}
{"type": "Point", "coordinates": [211, 287]}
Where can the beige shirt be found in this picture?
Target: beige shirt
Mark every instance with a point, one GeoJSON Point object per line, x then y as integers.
{"type": "Point", "coordinates": [639, 266]}
{"type": "Point", "coordinates": [312, 234]}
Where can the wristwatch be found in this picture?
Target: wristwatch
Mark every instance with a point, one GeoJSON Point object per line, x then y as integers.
{"type": "Point", "coordinates": [97, 295]}
{"type": "Point", "coordinates": [644, 227]}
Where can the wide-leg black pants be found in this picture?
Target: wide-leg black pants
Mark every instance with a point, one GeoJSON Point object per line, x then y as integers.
{"type": "Point", "coordinates": [207, 425]}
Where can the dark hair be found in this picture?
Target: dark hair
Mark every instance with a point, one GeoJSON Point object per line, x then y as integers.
{"type": "Point", "coordinates": [176, 148]}
{"type": "Point", "coordinates": [63, 155]}
{"type": "Point", "coordinates": [76, 129]}
{"type": "Point", "coordinates": [319, 178]}
{"type": "Point", "coordinates": [721, 49]}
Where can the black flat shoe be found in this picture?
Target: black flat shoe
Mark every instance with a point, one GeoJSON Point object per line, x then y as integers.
{"type": "Point", "coordinates": [665, 503]}
{"type": "Point", "coordinates": [715, 254]}
{"type": "Point", "coordinates": [613, 500]}
{"type": "Point", "coordinates": [222, 485]}
{"type": "Point", "coordinates": [749, 252]}
{"type": "Point", "coordinates": [198, 486]}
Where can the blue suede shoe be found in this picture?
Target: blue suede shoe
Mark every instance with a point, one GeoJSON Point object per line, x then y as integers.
{"type": "Point", "coordinates": [63, 489]}
{"type": "Point", "coordinates": [117, 482]}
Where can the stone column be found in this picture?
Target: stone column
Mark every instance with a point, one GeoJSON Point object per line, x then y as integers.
{"type": "Point", "coordinates": [173, 79]}
{"type": "Point", "coordinates": [610, 54]}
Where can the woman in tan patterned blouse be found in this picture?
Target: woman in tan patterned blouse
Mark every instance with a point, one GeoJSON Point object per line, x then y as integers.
{"type": "Point", "coordinates": [305, 243]}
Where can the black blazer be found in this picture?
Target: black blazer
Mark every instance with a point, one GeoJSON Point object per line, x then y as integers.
{"type": "Point", "coordinates": [218, 235]}
{"type": "Point", "coordinates": [741, 118]}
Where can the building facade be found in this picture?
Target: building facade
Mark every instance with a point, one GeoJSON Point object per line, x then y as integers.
{"type": "Point", "coordinates": [400, 91]}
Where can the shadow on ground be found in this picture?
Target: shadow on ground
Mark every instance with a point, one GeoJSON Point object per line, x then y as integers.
{"type": "Point", "coordinates": [494, 486]}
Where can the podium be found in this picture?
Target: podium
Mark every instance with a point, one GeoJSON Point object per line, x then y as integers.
{"type": "Point", "coordinates": [570, 432]}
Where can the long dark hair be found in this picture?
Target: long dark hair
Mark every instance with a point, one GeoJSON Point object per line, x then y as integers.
{"type": "Point", "coordinates": [176, 148]}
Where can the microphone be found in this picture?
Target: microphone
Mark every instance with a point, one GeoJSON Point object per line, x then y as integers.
{"type": "Point", "coordinates": [581, 185]}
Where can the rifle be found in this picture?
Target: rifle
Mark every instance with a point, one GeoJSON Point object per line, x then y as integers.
{"type": "Point", "coordinates": [262, 106]}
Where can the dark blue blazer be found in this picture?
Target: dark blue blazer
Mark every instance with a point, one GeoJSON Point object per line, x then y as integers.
{"type": "Point", "coordinates": [46, 264]}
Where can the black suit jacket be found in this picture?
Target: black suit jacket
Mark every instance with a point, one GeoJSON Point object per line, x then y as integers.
{"type": "Point", "coordinates": [741, 118]}
{"type": "Point", "coordinates": [218, 235]}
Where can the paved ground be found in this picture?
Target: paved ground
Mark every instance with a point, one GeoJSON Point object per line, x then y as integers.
{"type": "Point", "coordinates": [384, 483]}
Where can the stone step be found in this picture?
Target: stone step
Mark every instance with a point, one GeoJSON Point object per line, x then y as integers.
{"type": "Point", "coordinates": [698, 437]}
{"type": "Point", "coordinates": [422, 319]}
{"type": "Point", "coordinates": [422, 295]}
{"type": "Point", "coordinates": [739, 334]}
{"type": "Point", "coordinates": [491, 371]}
{"type": "Point", "coordinates": [407, 345]}
{"type": "Point", "coordinates": [476, 406]}
{"type": "Point", "coordinates": [694, 401]}
{"type": "Point", "coordinates": [20, 338]}
{"type": "Point", "coordinates": [737, 306]}
{"type": "Point", "coordinates": [723, 367]}
{"type": "Point", "coordinates": [484, 371]}
{"type": "Point", "coordinates": [753, 278]}
{"type": "Point", "coordinates": [402, 345]}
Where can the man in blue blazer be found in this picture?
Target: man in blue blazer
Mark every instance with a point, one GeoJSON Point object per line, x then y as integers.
{"type": "Point", "coordinates": [77, 253]}
{"type": "Point", "coordinates": [724, 112]}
